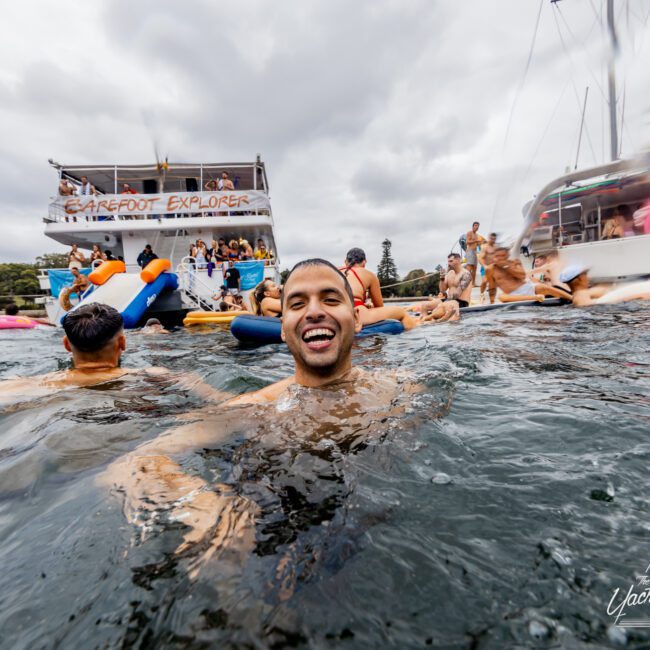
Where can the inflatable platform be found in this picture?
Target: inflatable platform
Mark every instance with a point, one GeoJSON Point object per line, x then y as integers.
{"type": "Point", "coordinates": [549, 302]}
{"type": "Point", "coordinates": [263, 330]}
{"type": "Point", "coordinates": [130, 293]}
{"type": "Point", "coordinates": [212, 317]}
{"type": "Point", "coordinates": [17, 322]}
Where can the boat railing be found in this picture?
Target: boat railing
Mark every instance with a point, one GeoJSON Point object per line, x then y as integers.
{"type": "Point", "coordinates": [141, 207]}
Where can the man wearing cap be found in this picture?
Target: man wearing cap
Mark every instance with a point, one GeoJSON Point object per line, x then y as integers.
{"type": "Point", "coordinates": [576, 276]}
{"type": "Point", "coordinates": [146, 256]}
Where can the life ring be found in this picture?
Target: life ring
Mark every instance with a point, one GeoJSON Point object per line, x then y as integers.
{"type": "Point", "coordinates": [64, 299]}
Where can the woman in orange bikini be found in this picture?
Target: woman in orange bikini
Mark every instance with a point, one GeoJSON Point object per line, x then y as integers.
{"type": "Point", "coordinates": [365, 283]}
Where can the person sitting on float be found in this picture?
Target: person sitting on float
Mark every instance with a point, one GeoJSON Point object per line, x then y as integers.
{"type": "Point", "coordinates": [365, 282]}
{"type": "Point", "coordinates": [511, 278]}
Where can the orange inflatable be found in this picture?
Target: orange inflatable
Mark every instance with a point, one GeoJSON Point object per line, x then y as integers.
{"type": "Point", "coordinates": [105, 271]}
{"type": "Point", "coordinates": [150, 272]}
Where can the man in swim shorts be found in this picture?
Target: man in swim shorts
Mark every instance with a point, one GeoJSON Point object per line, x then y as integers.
{"type": "Point", "coordinates": [510, 277]}
{"type": "Point", "coordinates": [456, 284]}
{"type": "Point", "coordinates": [474, 240]}
{"type": "Point", "coordinates": [80, 283]}
{"type": "Point", "coordinates": [485, 258]}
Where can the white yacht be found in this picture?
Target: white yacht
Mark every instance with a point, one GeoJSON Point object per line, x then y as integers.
{"type": "Point", "coordinates": [169, 206]}
{"type": "Point", "coordinates": [568, 215]}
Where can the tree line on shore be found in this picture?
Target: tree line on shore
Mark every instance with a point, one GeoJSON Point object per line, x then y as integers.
{"type": "Point", "coordinates": [417, 282]}
{"type": "Point", "coordinates": [19, 279]}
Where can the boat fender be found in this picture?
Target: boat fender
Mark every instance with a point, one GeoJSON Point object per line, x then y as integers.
{"type": "Point", "coordinates": [106, 271]}
{"type": "Point", "coordinates": [150, 272]}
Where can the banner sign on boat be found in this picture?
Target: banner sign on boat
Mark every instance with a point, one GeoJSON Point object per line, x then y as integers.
{"type": "Point", "coordinates": [250, 274]}
{"type": "Point", "coordinates": [105, 205]}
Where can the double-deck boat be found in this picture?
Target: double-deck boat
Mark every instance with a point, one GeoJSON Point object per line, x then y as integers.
{"type": "Point", "coordinates": [168, 206]}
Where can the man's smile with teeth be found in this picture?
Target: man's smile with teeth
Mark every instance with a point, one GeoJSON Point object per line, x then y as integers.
{"type": "Point", "coordinates": [318, 333]}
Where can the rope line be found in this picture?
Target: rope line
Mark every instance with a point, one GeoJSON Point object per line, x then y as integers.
{"type": "Point", "coordinates": [427, 275]}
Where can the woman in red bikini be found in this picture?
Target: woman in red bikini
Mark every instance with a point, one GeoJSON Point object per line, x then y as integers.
{"type": "Point", "coordinates": [365, 283]}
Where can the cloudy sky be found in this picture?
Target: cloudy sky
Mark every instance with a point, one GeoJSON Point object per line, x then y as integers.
{"type": "Point", "coordinates": [376, 118]}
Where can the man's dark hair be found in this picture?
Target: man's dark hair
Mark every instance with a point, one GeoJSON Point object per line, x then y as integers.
{"type": "Point", "coordinates": [355, 256]}
{"type": "Point", "coordinates": [90, 327]}
{"type": "Point", "coordinates": [11, 309]}
{"type": "Point", "coordinates": [475, 223]}
{"type": "Point", "coordinates": [317, 261]}
{"type": "Point", "coordinates": [152, 321]}
{"type": "Point", "coordinates": [493, 234]}
{"type": "Point", "coordinates": [148, 246]}
{"type": "Point", "coordinates": [456, 255]}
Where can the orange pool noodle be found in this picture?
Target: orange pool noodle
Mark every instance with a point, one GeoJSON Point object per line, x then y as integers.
{"type": "Point", "coordinates": [105, 271]}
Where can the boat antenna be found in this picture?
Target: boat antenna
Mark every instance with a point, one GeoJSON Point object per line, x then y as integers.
{"type": "Point", "coordinates": [611, 76]}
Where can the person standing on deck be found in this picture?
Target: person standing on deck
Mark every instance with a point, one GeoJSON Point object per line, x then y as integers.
{"type": "Point", "coordinates": [473, 241]}
{"type": "Point", "coordinates": [146, 256]}
{"type": "Point", "coordinates": [233, 279]}
{"type": "Point", "coordinates": [485, 258]}
{"type": "Point", "coordinates": [86, 189]}
{"type": "Point", "coordinates": [226, 183]}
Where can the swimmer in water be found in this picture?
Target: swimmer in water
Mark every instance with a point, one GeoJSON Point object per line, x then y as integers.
{"type": "Point", "coordinates": [154, 326]}
{"type": "Point", "coordinates": [94, 335]}
{"type": "Point", "coordinates": [577, 277]}
{"type": "Point", "coordinates": [319, 322]}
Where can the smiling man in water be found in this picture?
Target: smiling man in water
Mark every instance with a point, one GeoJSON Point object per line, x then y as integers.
{"type": "Point", "coordinates": [319, 322]}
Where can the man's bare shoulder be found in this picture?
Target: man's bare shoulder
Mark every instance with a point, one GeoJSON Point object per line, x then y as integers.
{"type": "Point", "coordinates": [264, 395]}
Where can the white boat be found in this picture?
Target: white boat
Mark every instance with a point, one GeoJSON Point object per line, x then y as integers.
{"type": "Point", "coordinates": [569, 213]}
{"type": "Point", "coordinates": [170, 209]}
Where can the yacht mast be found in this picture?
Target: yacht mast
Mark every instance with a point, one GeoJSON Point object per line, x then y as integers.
{"type": "Point", "coordinates": [611, 75]}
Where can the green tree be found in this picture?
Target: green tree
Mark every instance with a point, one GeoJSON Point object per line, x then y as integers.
{"type": "Point", "coordinates": [284, 275]}
{"type": "Point", "coordinates": [17, 279]}
{"type": "Point", "coordinates": [52, 261]}
{"type": "Point", "coordinates": [387, 270]}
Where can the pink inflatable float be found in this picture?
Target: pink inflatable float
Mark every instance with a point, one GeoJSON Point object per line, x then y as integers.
{"type": "Point", "coordinates": [16, 322]}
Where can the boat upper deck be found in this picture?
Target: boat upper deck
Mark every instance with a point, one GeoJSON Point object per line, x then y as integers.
{"type": "Point", "coordinates": [148, 192]}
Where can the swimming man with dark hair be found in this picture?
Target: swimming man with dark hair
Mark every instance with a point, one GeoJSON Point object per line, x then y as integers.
{"type": "Point", "coordinates": [94, 335]}
{"type": "Point", "coordinates": [319, 322]}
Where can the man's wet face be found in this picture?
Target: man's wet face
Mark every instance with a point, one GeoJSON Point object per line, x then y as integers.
{"type": "Point", "coordinates": [318, 319]}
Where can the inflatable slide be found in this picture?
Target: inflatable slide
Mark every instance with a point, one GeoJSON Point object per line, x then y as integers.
{"type": "Point", "coordinates": [130, 293]}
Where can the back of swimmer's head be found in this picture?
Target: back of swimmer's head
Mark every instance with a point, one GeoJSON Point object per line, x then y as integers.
{"type": "Point", "coordinates": [315, 262]}
{"type": "Point", "coordinates": [91, 328]}
{"type": "Point", "coordinates": [355, 256]}
{"type": "Point", "coordinates": [11, 309]}
{"type": "Point", "coordinates": [152, 321]}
